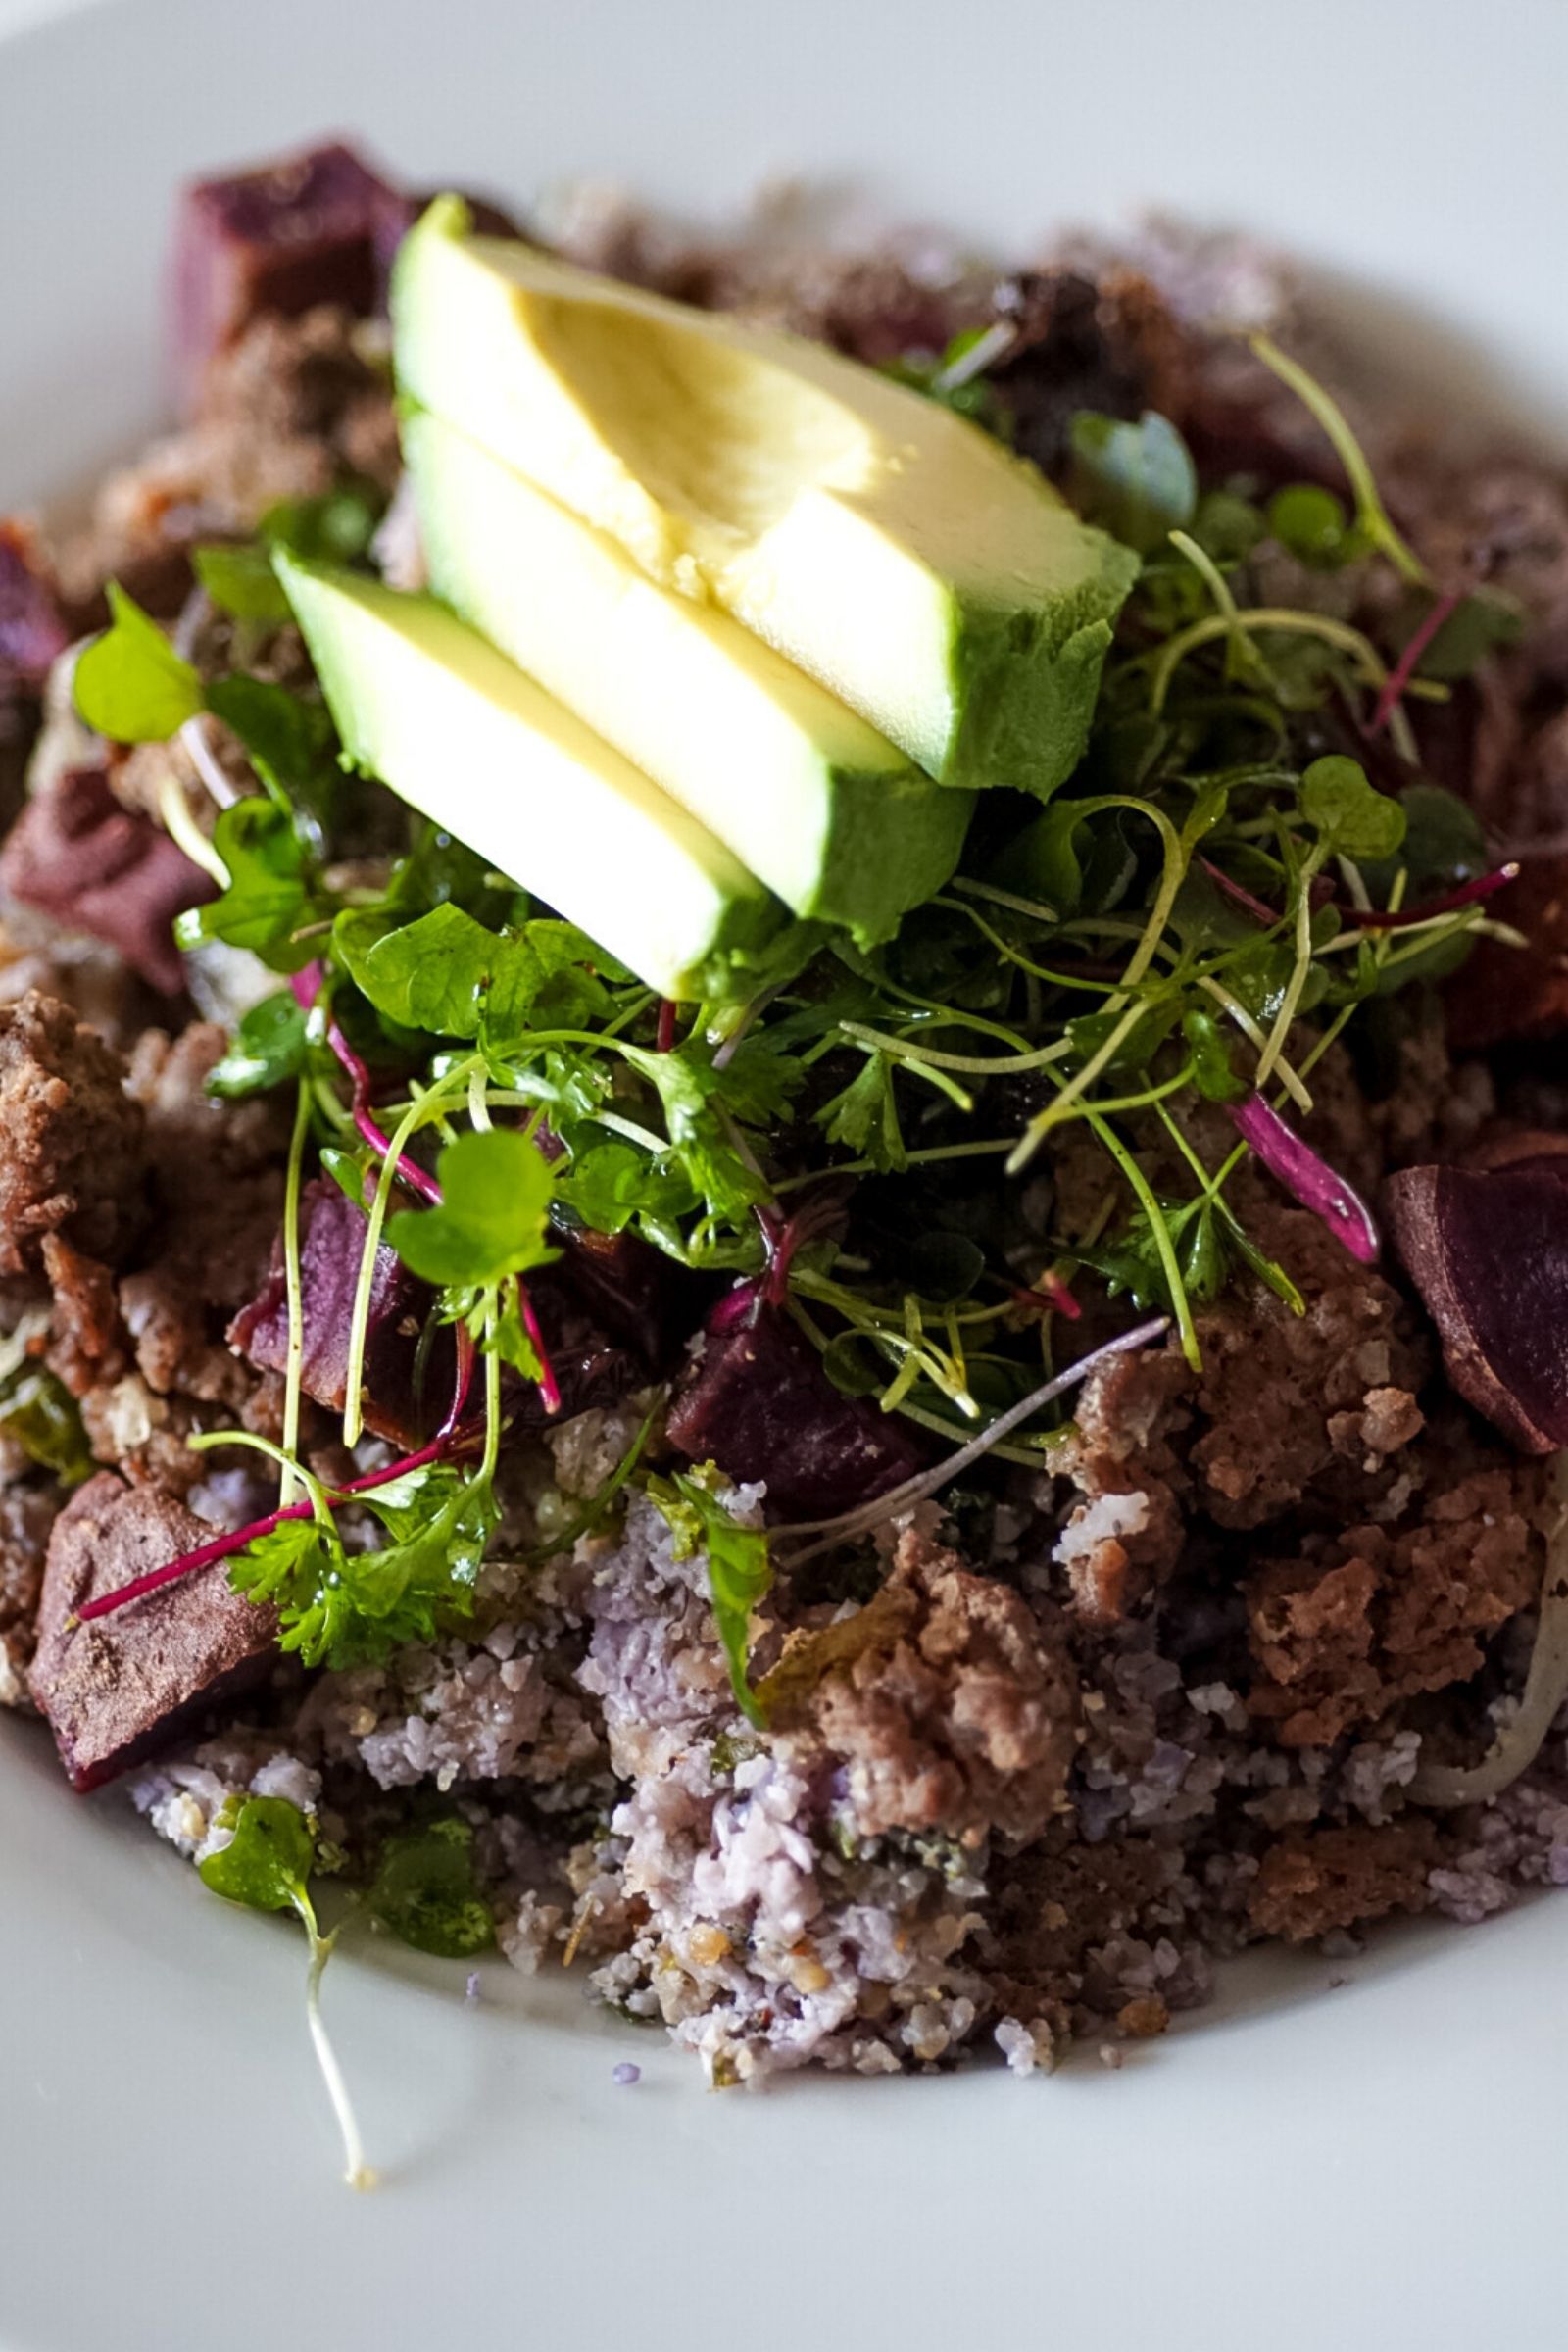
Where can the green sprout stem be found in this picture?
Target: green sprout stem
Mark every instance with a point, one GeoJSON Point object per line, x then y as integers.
{"type": "Point", "coordinates": [419, 1112]}
{"type": "Point", "coordinates": [1164, 1247]}
{"type": "Point", "coordinates": [1370, 512]}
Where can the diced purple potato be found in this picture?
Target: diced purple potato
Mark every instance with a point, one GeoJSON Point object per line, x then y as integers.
{"type": "Point", "coordinates": [313, 227]}
{"type": "Point", "coordinates": [34, 632]}
{"type": "Point", "coordinates": [118, 1689]}
{"type": "Point", "coordinates": [77, 854]}
{"type": "Point", "coordinates": [758, 1403]}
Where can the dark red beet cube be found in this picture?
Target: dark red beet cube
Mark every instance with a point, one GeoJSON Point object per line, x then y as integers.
{"type": "Point", "coordinates": [95, 866]}
{"type": "Point", "coordinates": [32, 628]}
{"type": "Point", "coordinates": [313, 227]}
{"type": "Point", "coordinates": [397, 1406]}
{"type": "Point", "coordinates": [758, 1403]}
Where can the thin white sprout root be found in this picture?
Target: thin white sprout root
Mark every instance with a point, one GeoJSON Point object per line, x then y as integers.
{"type": "Point", "coordinates": [1519, 1743]}
{"type": "Point", "coordinates": [868, 1515]}
{"type": "Point", "coordinates": [356, 2172]}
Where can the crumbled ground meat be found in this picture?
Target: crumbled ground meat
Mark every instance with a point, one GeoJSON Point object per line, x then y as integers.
{"type": "Point", "coordinates": [27, 1514]}
{"type": "Point", "coordinates": [965, 1721]}
{"type": "Point", "coordinates": [286, 412]}
{"type": "Point", "coordinates": [163, 1365]}
{"type": "Point", "coordinates": [86, 1339]}
{"type": "Point", "coordinates": [72, 1162]}
{"type": "Point", "coordinates": [1130, 1530]}
{"type": "Point", "coordinates": [1366, 1618]}
{"type": "Point", "coordinates": [1285, 1397]}
{"type": "Point", "coordinates": [1315, 1880]}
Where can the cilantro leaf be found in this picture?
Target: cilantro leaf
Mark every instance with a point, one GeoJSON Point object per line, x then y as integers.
{"type": "Point", "coordinates": [687, 1085]}
{"type": "Point", "coordinates": [267, 1862]}
{"type": "Point", "coordinates": [1212, 1074]}
{"type": "Point", "coordinates": [1138, 480]}
{"type": "Point", "coordinates": [424, 1889]}
{"type": "Point", "coordinates": [740, 1570]}
{"type": "Point", "coordinates": [864, 1116]}
{"type": "Point", "coordinates": [1349, 814]}
{"type": "Point", "coordinates": [266, 1047]}
{"type": "Point", "coordinates": [613, 1183]}
{"type": "Point", "coordinates": [549, 976]}
{"type": "Point", "coordinates": [441, 1521]}
{"type": "Point", "coordinates": [340, 1608]}
{"type": "Point", "coordinates": [492, 1218]}
{"type": "Point", "coordinates": [130, 684]}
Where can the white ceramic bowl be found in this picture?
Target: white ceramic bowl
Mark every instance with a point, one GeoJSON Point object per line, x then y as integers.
{"type": "Point", "coordinates": [1376, 2166]}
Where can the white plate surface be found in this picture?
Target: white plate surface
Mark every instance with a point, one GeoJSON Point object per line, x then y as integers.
{"type": "Point", "coordinates": [1378, 2166]}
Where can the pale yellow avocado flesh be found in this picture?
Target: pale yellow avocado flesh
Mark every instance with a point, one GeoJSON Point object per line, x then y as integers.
{"type": "Point", "coordinates": [934, 582]}
{"type": "Point", "coordinates": [455, 729]}
{"type": "Point", "coordinates": [811, 799]}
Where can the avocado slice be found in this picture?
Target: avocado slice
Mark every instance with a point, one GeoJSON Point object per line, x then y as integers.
{"type": "Point", "coordinates": [817, 804]}
{"type": "Point", "coordinates": [453, 729]}
{"type": "Point", "coordinates": [928, 577]}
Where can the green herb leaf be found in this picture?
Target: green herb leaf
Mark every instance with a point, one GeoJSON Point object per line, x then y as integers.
{"type": "Point", "coordinates": [613, 1183]}
{"type": "Point", "coordinates": [351, 1172]}
{"type": "Point", "coordinates": [1312, 525]}
{"type": "Point", "coordinates": [1212, 1073]}
{"type": "Point", "coordinates": [1074, 857]}
{"type": "Point", "coordinates": [339, 1608]}
{"type": "Point", "coordinates": [551, 976]}
{"type": "Point", "coordinates": [1442, 842]}
{"type": "Point", "coordinates": [424, 1889]}
{"type": "Point", "coordinates": [1138, 480]}
{"type": "Point", "coordinates": [291, 742]}
{"type": "Point", "coordinates": [740, 1572]}
{"type": "Point", "coordinates": [267, 1866]}
{"type": "Point", "coordinates": [38, 1414]}
{"type": "Point", "coordinates": [864, 1116]}
{"type": "Point", "coordinates": [269, 896]}
{"type": "Point", "coordinates": [266, 1047]}
{"type": "Point", "coordinates": [241, 580]}
{"type": "Point", "coordinates": [336, 527]}
{"type": "Point", "coordinates": [687, 1085]}
{"type": "Point", "coordinates": [130, 684]}
{"type": "Point", "coordinates": [493, 1217]}
{"type": "Point", "coordinates": [1484, 622]}
{"type": "Point", "coordinates": [430, 974]}
{"type": "Point", "coordinates": [267, 1862]}
{"type": "Point", "coordinates": [1352, 817]}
